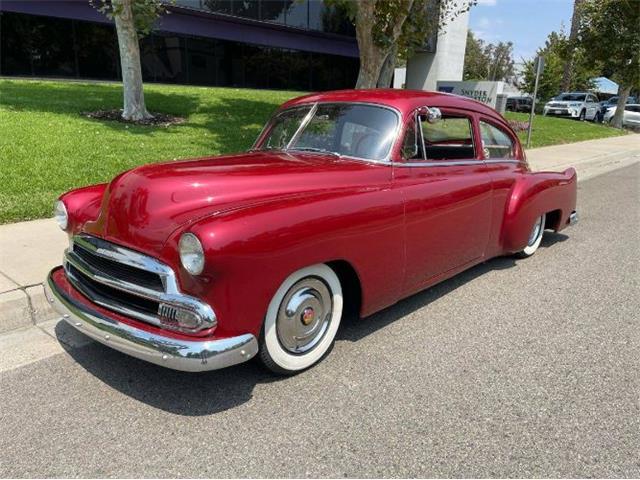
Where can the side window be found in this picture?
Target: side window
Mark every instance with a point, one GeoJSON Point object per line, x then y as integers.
{"type": "Point", "coordinates": [412, 144]}
{"type": "Point", "coordinates": [496, 142]}
{"type": "Point", "coordinates": [449, 138]}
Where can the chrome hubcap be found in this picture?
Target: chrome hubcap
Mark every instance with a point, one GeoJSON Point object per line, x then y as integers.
{"type": "Point", "coordinates": [304, 315]}
{"type": "Point", "coordinates": [535, 232]}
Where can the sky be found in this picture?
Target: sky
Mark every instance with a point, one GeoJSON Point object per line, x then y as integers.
{"type": "Point", "coordinates": [526, 23]}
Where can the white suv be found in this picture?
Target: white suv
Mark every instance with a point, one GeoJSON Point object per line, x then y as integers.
{"type": "Point", "coordinates": [583, 106]}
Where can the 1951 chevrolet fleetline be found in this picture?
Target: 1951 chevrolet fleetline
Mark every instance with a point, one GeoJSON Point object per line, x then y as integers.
{"type": "Point", "coordinates": [350, 198]}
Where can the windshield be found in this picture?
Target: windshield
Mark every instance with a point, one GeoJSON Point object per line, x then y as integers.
{"type": "Point", "coordinates": [353, 130]}
{"type": "Point", "coordinates": [571, 97]}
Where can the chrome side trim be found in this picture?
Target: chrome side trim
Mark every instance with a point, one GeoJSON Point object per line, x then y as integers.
{"type": "Point", "coordinates": [184, 355]}
{"type": "Point", "coordinates": [171, 295]}
{"type": "Point", "coordinates": [450, 163]}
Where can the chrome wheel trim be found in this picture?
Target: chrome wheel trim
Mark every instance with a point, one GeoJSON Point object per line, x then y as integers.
{"type": "Point", "coordinates": [536, 232]}
{"type": "Point", "coordinates": [535, 237]}
{"type": "Point", "coordinates": [304, 315]}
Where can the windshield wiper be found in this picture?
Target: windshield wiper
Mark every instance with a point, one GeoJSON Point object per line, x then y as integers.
{"type": "Point", "coordinates": [315, 150]}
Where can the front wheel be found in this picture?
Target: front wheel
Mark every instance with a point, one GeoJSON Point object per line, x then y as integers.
{"type": "Point", "coordinates": [583, 116]}
{"type": "Point", "coordinates": [302, 320]}
{"type": "Point", "coordinates": [535, 238]}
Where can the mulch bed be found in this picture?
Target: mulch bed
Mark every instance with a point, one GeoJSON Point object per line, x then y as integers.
{"type": "Point", "coordinates": [158, 120]}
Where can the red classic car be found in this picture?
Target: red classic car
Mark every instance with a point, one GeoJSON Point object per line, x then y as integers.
{"type": "Point", "coordinates": [347, 199]}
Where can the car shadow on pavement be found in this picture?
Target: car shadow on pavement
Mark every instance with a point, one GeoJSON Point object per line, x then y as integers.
{"type": "Point", "coordinates": [197, 394]}
{"type": "Point", "coordinates": [182, 393]}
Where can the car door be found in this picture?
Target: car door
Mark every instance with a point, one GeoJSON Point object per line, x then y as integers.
{"type": "Point", "coordinates": [632, 115]}
{"type": "Point", "coordinates": [592, 107]}
{"type": "Point", "coordinates": [447, 197]}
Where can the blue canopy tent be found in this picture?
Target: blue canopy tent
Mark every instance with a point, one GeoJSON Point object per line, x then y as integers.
{"type": "Point", "coordinates": [603, 85]}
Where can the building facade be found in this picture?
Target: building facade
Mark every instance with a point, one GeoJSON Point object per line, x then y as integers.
{"type": "Point", "coordinates": [443, 56]}
{"type": "Point", "coordinates": [275, 44]}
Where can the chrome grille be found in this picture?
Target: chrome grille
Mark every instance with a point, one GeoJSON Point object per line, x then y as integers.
{"type": "Point", "coordinates": [132, 284]}
{"type": "Point", "coordinates": [120, 270]}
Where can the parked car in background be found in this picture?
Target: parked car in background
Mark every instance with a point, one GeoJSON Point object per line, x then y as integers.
{"type": "Point", "coordinates": [612, 102]}
{"type": "Point", "coordinates": [348, 201]}
{"type": "Point", "coordinates": [630, 118]}
{"type": "Point", "coordinates": [519, 104]}
{"type": "Point", "coordinates": [580, 105]}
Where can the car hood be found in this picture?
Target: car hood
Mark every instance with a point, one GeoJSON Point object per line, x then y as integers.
{"type": "Point", "coordinates": [563, 102]}
{"type": "Point", "coordinates": [141, 208]}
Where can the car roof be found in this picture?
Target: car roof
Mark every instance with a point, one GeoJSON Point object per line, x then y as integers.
{"type": "Point", "coordinates": [403, 100]}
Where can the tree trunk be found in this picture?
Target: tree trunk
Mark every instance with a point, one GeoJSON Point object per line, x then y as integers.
{"type": "Point", "coordinates": [134, 106]}
{"type": "Point", "coordinates": [567, 75]}
{"type": "Point", "coordinates": [623, 95]}
{"type": "Point", "coordinates": [388, 68]}
{"type": "Point", "coordinates": [372, 56]}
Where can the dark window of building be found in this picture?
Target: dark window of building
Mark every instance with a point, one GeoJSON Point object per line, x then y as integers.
{"type": "Point", "coordinates": [168, 59]}
{"type": "Point", "coordinates": [298, 14]}
{"type": "Point", "coordinates": [196, 4]}
{"type": "Point", "coordinates": [274, 10]}
{"type": "Point", "coordinates": [247, 9]}
{"type": "Point", "coordinates": [43, 46]}
{"type": "Point", "coordinates": [97, 50]}
{"type": "Point", "coordinates": [201, 61]}
{"type": "Point", "coordinates": [15, 49]}
{"type": "Point", "coordinates": [218, 6]}
{"type": "Point", "coordinates": [51, 45]}
{"type": "Point", "coordinates": [334, 19]}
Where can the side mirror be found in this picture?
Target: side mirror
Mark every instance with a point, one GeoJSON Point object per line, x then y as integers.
{"type": "Point", "coordinates": [430, 114]}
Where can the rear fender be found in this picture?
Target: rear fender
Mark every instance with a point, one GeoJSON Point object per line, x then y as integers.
{"type": "Point", "coordinates": [533, 195]}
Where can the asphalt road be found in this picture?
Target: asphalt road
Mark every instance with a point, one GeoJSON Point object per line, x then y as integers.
{"type": "Point", "coordinates": [514, 368]}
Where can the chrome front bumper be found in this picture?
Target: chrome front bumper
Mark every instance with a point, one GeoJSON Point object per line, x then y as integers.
{"type": "Point", "coordinates": [184, 355]}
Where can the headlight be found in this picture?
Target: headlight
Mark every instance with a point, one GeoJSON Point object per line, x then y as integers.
{"type": "Point", "coordinates": [60, 214]}
{"type": "Point", "coordinates": [574, 105]}
{"type": "Point", "coordinates": [191, 253]}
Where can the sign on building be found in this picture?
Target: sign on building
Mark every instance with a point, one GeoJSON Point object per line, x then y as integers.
{"type": "Point", "coordinates": [485, 92]}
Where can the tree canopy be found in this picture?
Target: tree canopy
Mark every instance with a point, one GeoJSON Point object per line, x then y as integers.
{"type": "Point", "coordinates": [390, 29]}
{"type": "Point", "coordinates": [555, 52]}
{"type": "Point", "coordinates": [488, 61]}
{"type": "Point", "coordinates": [608, 30]}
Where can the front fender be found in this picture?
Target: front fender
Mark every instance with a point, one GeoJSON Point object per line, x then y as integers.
{"type": "Point", "coordinates": [533, 195]}
{"type": "Point", "coordinates": [83, 205]}
{"type": "Point", "coordinates": [251, 251]}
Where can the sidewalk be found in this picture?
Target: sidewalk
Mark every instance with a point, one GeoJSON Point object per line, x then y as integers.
{"type": "Point", "coordinates": [28, 250]}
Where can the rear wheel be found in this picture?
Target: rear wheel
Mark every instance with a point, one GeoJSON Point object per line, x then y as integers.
{"type": "Point", "coordinates": [302, 320]}
{"type": "Point", "coordinates": [535, 238]}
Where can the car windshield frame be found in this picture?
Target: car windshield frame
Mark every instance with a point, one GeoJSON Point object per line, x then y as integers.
{"type": "Point", "coordinates": [311, 109]}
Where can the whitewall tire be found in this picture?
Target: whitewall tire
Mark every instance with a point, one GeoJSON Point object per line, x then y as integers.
{"type": "Point", "coordinates": [302, 320]}
{"type": "Point", "coordinates": [535, 238]}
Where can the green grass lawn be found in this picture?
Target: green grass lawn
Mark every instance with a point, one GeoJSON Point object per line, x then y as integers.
{"type": "Point", "coordinates": [554, 131]}
{"type": "Point", "coordinates": [47, 147]}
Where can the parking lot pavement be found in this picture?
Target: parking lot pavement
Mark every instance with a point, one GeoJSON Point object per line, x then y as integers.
{"type": "Point", "coordinates": [515, 368]}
